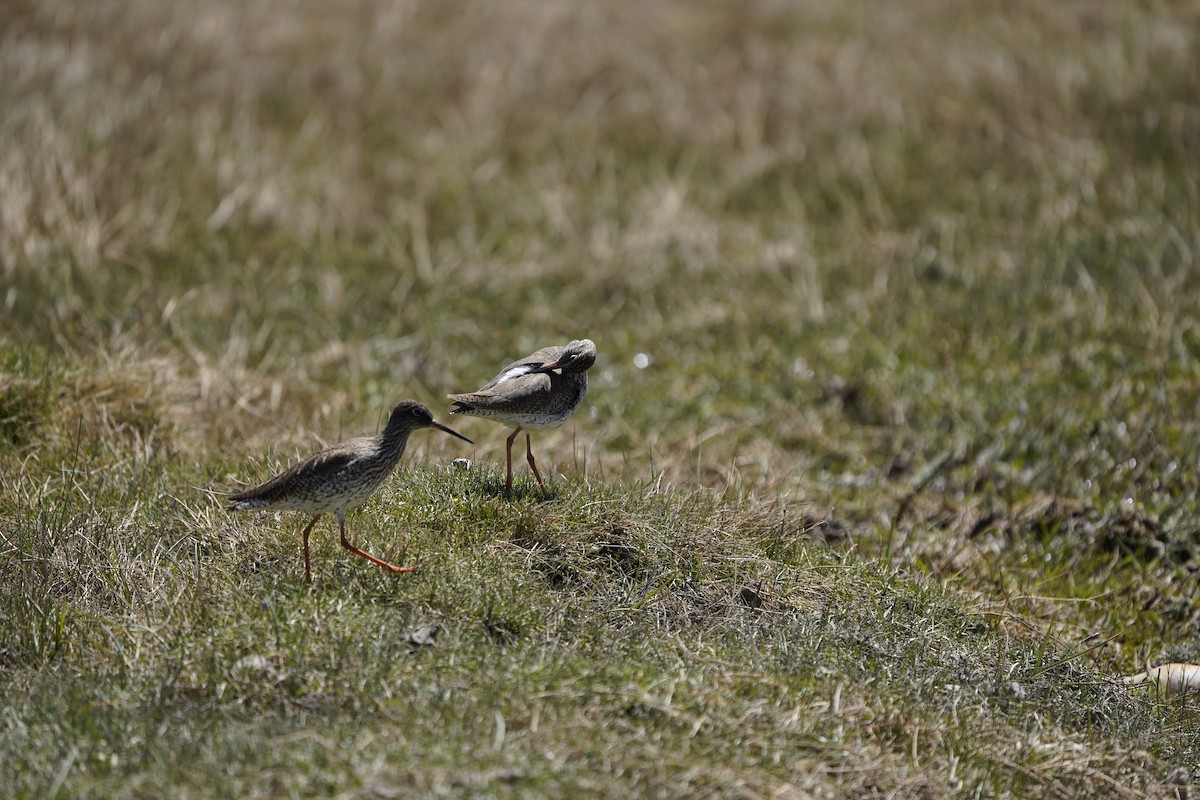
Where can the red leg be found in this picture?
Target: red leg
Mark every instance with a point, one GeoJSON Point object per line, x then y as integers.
{"type": "Point", "coordinates": [346, 544]}
{"type": "Point", "coordinates": [508, 461]}
{"type": "Point", "coordinates": [307, 563]}
{"type": "Point", "coordinates": [532, 463]}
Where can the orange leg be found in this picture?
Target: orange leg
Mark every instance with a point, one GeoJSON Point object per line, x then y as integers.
{"type": "Point", "coordinates": [532, 463]}
{"type": "Point", "coordinates": [307, 563]}
{"type": "Point", "coordinates": [346, 544]}
{"type": "Point", "coordinates": [508, 461]}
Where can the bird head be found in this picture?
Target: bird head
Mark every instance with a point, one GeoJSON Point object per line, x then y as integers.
{"type": "Point", "coordinates": [578, 356]}
{"type": "Point", "coordinates": [412, 415]}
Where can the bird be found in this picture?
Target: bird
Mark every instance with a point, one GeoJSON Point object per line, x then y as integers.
{"type": "Point", "coordinates": [537, 392]}
{"type": "Point", "coordinates": [342, 477]}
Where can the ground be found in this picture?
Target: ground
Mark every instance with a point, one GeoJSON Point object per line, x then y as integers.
{"type": "Point", "coordinates": [888, 467]}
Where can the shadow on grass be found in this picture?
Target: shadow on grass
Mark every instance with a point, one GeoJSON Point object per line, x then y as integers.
{"type": "Point", "coordinates": [493, 486]}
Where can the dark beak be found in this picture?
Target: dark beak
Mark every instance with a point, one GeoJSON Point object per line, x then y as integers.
{"type": "Point", "coordinates": [553, 365]}
{"type": "Point", "coordinates": [450, 431]}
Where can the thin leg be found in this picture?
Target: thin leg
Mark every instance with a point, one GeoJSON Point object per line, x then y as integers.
{"type": "Point", "coordinates": [346, 544]}
{"type": "Point", "coordinates": [307, 562]}
{"type": "Point", "coordinates": [532, 463]}
{"type": "Point", "coordinates": [508, 461]}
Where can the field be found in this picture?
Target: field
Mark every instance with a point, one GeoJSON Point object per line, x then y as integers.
{"type": "Point", "coordinates": [888, 469]}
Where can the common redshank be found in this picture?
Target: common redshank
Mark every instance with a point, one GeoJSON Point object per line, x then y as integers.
{"type": "Point", "coordinates": [538, 392]}
{"type": "Point", "coordinates": [342, 477]}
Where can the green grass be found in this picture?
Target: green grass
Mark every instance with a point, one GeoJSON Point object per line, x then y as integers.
{"type": "Point", "coordinates": [909, 477]}
{"type": "Point", "coordinates": [603, 640]}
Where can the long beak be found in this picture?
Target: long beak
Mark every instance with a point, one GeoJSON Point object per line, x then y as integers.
{"type": "Point", "coordinates": [553, 365]}
{"type": "Point", "coordinates": [450, 431]}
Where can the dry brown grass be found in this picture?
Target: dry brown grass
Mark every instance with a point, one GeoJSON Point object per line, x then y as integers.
{"type": "Point", "coordinates": [917, 280]}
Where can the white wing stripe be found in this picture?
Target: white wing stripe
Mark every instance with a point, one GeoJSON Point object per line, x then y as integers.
{"type": "Point", "coordinates": [516, 372]}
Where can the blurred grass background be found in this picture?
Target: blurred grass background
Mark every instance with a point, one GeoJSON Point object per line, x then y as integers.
{"type": "Point", "coordinates": [918, 281]}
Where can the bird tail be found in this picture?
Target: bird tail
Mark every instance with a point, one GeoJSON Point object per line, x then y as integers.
{"type": "Point", "coordinates": [245, 505]}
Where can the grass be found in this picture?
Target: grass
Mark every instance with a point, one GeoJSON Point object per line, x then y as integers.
{"type": "Point", "coordinates": [887, 469]}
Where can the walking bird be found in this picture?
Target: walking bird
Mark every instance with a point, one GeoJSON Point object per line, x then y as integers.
{"type": "Point", "coordinates": [538, 392]}
{"type": "Point", "coordinates": [342, 477]}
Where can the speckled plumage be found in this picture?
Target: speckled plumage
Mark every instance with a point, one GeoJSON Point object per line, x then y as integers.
{"type": "Point", "coordinates": [538, 392]}
{"type": "Point", "coordinates": [341, 477]}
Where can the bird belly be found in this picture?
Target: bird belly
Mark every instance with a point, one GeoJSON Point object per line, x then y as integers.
{"type": "Point", "coordinates": [528, 421]}
{"type": "Point", "coordinates": [543, 422]}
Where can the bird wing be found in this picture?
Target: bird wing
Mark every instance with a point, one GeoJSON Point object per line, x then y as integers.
{"type": "Point", "coordinates": [316, 468]}
{"type": "Point", "coordinates": [515, 393]}
{"type": "Point", "coordinates": [547, 355]}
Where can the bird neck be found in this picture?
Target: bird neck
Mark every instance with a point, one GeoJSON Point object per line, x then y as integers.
{"type": "Point", "coordinates": [392, 441]}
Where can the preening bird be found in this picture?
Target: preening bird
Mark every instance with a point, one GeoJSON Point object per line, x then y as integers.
{"type": "Point", "coordinates": [538, 392]}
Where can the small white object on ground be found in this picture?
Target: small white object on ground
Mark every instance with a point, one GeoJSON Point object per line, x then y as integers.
{"type": "Point", "coordinates": [1169, 677]}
